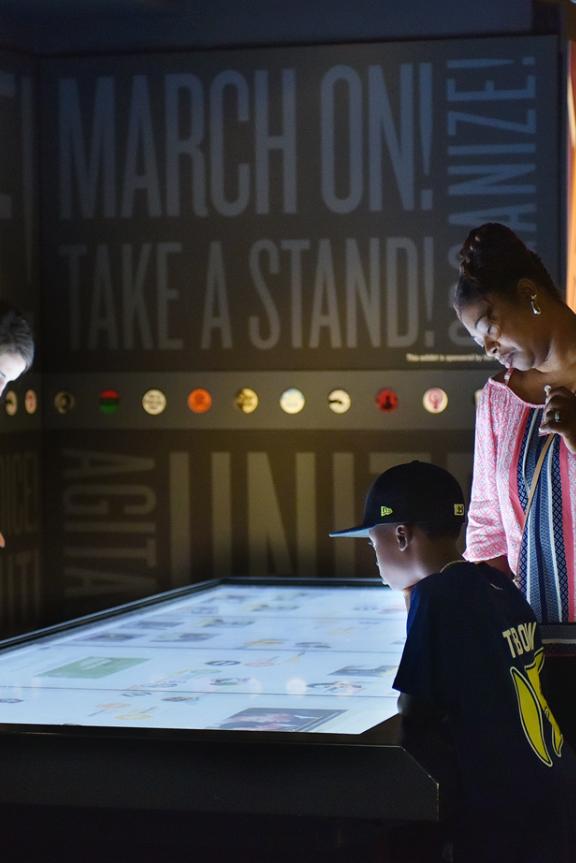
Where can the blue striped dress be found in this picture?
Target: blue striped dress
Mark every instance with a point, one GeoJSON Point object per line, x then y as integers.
{"type": "Point", "coordinates": [542, 570]}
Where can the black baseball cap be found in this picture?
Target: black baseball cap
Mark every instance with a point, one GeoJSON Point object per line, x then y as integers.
{"type": "Point", "coordinates": [413, 492]}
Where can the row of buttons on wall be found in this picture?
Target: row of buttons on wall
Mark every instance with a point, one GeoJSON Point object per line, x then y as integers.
{"type": "Point", "coordinates": [200, 401]}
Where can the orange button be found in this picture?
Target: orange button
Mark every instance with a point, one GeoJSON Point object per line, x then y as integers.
{"type": "Point", "coordinates": [199, 401]}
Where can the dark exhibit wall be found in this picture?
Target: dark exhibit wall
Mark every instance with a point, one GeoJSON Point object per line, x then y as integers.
{"type": "Point", "coordinates": [18, 181]}
{"type": "Point", "coordinates": [571, 176]}
{"type": "Point", "coordinates": [247, 259]}
{"type": "Point", "coordinates": [285, 208]}
{"type": "Point", "coordinates": [142, 513]}
{"type": "Point", "coordinates": [22, 587]}
{"type": "Point", "coordinates": [23, 590]}
{"type": "Point", "coordinates": [277, 228]}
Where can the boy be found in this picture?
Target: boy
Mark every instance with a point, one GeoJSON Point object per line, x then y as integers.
{"type": "Point", "coordinates": [471, 661]}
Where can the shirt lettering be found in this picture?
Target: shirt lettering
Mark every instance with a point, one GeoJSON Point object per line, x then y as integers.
{"type": "Point", "coordinates": [520, 639]}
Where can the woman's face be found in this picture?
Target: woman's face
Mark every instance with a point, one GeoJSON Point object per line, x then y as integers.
{"type": "Point", "coordinates": [11, 367]}
{"type": "Point", "coordinates": [507, 331]}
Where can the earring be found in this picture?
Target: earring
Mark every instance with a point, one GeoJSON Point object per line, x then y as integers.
{"type": "Point", "coordinates": [536, 310]}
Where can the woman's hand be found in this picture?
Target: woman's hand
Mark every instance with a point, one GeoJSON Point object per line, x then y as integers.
{"type": "Point", "coordinates": [2, 541]}
{"type": "Point", "coordinates": [560, 415]}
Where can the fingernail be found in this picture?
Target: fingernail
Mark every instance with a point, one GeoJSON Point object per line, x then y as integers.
{"type": "Point", "coordinates": [547, 389]}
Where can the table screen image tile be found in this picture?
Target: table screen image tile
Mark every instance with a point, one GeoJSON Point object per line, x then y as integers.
{"type": "Point", "coordinates": [234, 657]}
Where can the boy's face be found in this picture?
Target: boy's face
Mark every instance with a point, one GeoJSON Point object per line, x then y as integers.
{"type": "Point", "coordinates": [388, 541]}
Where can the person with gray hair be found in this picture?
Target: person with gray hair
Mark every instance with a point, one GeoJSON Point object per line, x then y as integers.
{"type": "Point", "coordinates": [16, 350]}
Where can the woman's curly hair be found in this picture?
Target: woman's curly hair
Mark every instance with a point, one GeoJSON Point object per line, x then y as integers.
{"type": "Point", "coordinates": [492, 261]}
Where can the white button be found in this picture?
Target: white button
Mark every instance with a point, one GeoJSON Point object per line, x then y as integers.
{"type": "Point", "coordinates": [154, 402]}
{"type": "Point", "coordinates": [435, 400]}
{"type": "Point", "coordinates": [339, 401]}
{"type": "Point", "coordinates": [292, 401]}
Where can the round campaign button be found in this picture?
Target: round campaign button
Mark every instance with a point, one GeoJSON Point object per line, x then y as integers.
{"type": "Point", "coordinates": [246, 400]}
{"type": "Point", "coordinates": [199, 401]}
{"type": "Point", "coordinates": [10, 403]}
{"type": "Point", "coordinates": [30, 401]}
{"type": "Point", "coordinates": [109, 401]}
{"type": "Point", "coordinates": [64, 402]}
{"type": "Point", "coordinates": [387, 400]}
{"type": "Point", "coordinates": [339, 401]}
{"type": "Point", "coordinates": [292, 401]}
{"type": "Point", "coordinates": [154, 402]}
{"type": "Point", "coordinates": [435, 400]}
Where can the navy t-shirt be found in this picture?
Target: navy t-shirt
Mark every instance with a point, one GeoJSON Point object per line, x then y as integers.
{"type": "Point", "coordinates": [473, 650]}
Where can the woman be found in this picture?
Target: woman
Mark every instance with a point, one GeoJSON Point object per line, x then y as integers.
{"type": "Point", "coordinates": [507, 301]}
{"type": "Point", "coordinates": [16, 350]}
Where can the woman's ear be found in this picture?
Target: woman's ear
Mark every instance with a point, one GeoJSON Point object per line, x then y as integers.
{"type": "Point", "coordinates": [529, 294]}
{"type": "Point", "coordinates": [526, 290]}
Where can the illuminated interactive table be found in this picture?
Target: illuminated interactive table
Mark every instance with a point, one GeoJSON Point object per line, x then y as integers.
{"type": "Point", "coordinates": [236, 697]}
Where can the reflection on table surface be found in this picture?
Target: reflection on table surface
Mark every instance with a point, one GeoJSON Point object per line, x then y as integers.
{"type": "Point", "coordinates": [267, 658]}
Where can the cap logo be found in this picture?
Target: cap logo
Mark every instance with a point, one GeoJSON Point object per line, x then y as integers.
{"type": "Point", "coordinates": [385, 510]}
{"type": "Point", "coordinates": [458, 509]}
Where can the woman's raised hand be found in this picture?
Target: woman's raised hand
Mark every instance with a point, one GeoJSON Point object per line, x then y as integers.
{"type": "Point", "coordinates": [560, 415]}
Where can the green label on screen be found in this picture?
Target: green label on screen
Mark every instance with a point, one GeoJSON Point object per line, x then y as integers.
{"type": "Point", "coordinates": [92, 667]}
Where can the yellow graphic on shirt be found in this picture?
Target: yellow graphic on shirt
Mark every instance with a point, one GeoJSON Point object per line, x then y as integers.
{"type": "Point", "coordinates": [534, 711]}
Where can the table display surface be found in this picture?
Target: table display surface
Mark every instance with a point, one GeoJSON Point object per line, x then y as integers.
{"type": "Point", "coordinates": [230, 657]}
{"type": "Point", "coordinates": [259, 697]}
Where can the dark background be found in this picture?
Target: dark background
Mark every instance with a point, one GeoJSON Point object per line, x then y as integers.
{"type": "Point", "coordinates": [369, 140]}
